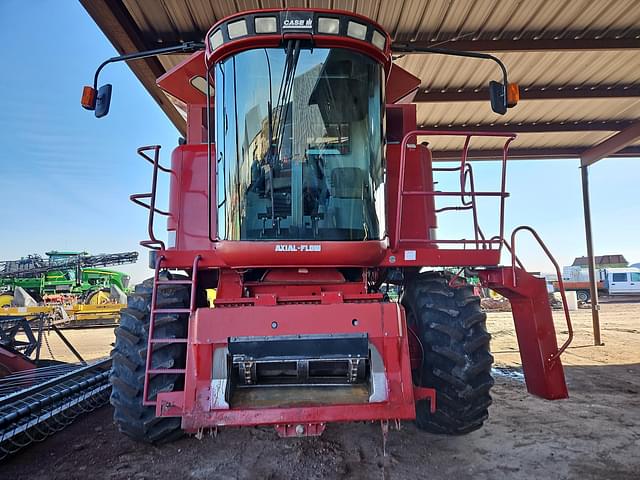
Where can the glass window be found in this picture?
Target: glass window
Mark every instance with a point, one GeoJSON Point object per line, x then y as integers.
{"type": "Point", "coordinates": [619, 277]}
{"type": "Point", "coordinates": [299, 145]}
{"type": "Point", "coordinates": [635, 277]}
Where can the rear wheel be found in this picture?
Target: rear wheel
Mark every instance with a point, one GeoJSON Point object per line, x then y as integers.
{"type": "Point", "coordinates": [129, 356]}
{"type": "Point", "coordinates": [456, 359]}
{"type": "Point", "coordinates": [583, 295]}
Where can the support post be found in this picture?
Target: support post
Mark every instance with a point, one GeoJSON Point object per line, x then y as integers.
{"type": "Point", "coordinates": [595, 306]}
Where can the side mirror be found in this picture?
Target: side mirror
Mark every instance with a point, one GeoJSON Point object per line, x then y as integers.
{"type": "Point", "coordinates": [497, 97]}
{"type": "Point", "coordinates": [103, 100]}
{"type": "Point", "coordinates": [503, 98]}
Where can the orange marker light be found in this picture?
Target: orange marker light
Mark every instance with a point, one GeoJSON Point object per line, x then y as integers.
{"type": "Point", "coordinates": [88, 100]}
{"type": "Point", "coordinates": [513, 95]}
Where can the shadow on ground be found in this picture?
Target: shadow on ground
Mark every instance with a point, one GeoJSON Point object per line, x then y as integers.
{"type": "Point", "coordinates": [593, 435]}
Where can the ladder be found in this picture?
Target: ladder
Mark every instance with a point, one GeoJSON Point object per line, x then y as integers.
{"type": "Point", "coordinates": [155, 311]}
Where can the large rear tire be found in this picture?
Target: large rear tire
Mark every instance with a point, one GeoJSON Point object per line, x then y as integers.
{"type": "Point", "coordinates": [128, 362]}
{"type": "Point", "coordinates": [456, 359]}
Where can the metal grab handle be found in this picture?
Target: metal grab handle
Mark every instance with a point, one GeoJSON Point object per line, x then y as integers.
{"type": "Point", "coordinates": [153, 242]}
{"type": "Point", "coordinates": [156, 154]}
{"type": "Point", "coordinates": [136, 199]}
{"type": "Point", "coordinates": [565, 307]}
{"type": "Point", "coordinates": [511, 252]}
{"type": "Point", "coordinates": [466, 173]}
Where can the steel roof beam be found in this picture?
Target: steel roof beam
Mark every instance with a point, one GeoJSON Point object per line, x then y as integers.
{"type": "Point", "coordinates": [528, 153]}
{"type": "Point", "coordinates": [612, 146]}
{"type": "Point", "coordinates": [564, 93]}
{"type": "Point", "coordinates": [539, 127]}
{"type": "Point", "coordinates": [523, 45]}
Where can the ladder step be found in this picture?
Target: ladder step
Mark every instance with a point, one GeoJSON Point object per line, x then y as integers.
{"type": "Point", "coordinates": [168, 340]}
{"type": "Point", "coordinates": [154, 371]}
{"type": "Point", "coordinates": [174, 282]}
{"type": "Point", "coordinates": [171, 310]}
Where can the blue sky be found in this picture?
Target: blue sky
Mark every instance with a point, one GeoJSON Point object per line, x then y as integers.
{"type": "Point", "coordinates": [66, 177]}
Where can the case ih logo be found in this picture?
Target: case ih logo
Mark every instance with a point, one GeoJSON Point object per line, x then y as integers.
{"type": "Point", "coordinates": [298, 248]}
{"type": "Point", "coordinates": [297, 23]}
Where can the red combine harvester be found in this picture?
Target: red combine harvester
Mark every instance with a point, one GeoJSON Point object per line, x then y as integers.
{"type": "Point", "coordinates": [302, 196]}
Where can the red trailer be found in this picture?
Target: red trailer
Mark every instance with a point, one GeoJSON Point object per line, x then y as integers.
{"type": "Point", "coordinates": [302, 189]}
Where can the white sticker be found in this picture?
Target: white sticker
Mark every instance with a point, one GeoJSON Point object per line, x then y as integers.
{"type": "Point", "coordinates": [410, 255]}
{"type": "Point", "coordinates": [298, 248]}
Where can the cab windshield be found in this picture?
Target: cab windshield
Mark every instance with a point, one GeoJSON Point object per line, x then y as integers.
{"type": "Point", "coordinates": [298, 145]}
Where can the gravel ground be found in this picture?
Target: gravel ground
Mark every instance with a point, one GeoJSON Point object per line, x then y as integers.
{"type": "Point", "coordinates": [594, 434]}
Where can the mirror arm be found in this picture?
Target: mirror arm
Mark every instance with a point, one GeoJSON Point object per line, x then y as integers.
{"type": "Point", "coordinates": [187, 47]}
{"type": "Point", "coordinates": [462, 53]}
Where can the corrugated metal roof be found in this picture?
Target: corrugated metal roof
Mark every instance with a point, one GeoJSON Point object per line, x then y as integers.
{"type": "Point", "coordinates": [510, 24]}
{"type": "Point", "coordinates": [524, 140]}
{"type": "Point", "coordinates": [528, 69]}
{"type": "Point", "coordinates": [530, 112]}
{"type": "Point", "coordinates": [438, 20]}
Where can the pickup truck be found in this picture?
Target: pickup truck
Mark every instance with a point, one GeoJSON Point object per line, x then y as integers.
{"type": "Point", "coordinates": [611, 281]}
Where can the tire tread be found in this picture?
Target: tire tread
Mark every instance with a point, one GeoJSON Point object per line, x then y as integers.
{"type": "Point", "coordinates": [457, 359]}
{"type": "Point", "coordinates": [129, 361]}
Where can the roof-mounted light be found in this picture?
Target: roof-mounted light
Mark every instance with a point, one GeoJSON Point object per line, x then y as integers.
{"type": "Point", "coordinates": [281, 23]}
{"type": "Point", "coordinates": [357, 30]}
{"type": "Point", "coordinates": [215, 39]}
{"type": "Point", "coordinates": [237, 29]}
{"type": "Point", "coordinates": [329, 26]}
{"type": "Point", "coordinates": [378, 40]}
{"type": "Point", "coordinates": [266, 25]}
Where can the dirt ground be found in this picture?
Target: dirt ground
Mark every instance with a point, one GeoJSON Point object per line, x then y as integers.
{"type": "Point", "coordinates": [91, 343]}
{"type": "Point", "coordinates": [595, 434]}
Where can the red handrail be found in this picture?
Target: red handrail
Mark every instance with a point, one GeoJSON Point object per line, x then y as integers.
{"type": "Point", "coordinates": [559, 275]}
{"type": "Point", "coordinates": [463, 168]}
{"type": "Point", "coordinates": [153, 242]}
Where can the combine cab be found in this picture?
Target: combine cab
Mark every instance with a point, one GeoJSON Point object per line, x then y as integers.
{"type": "Point", "coordinates": [302, 194]}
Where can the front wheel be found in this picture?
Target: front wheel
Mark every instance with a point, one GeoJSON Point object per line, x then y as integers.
{"type": "Point", "coordinates": [134, 419]}
{"type": "Point", "coordinates": [98, 297]}
{"type": "Point", "coordinates": [456, 359]}
{"type": "Point", "coordinates": [6, 299]}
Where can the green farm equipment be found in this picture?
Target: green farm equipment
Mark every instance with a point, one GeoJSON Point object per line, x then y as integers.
{"type": "Point", "coordinates": [76, 274]}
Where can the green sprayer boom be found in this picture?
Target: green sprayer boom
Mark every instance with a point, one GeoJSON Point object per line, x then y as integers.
{"type": "Point", "coordinates": [34, 265]}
